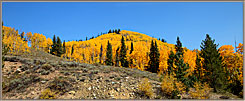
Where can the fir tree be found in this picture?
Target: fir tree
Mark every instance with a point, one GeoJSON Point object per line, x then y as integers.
{"type": "Point", "coordinates": [64, 47]}
{"type": "Point", "coordinates": [59, 47]}
{"type": "Point", "coordinates": [86, 38]}
{"type": "Point", "coordinates": [123, 58]}
{"type": "Point", "coordinates": [163, 40]}
{"type": "Point", "coordinates": [154, 58]}
{"type": "Point", "coordinates": [22, 35]}
{"type": "Point", "coordinates": [178, 47]}
{"type": "Point", "coordinates": [109, 31]}
{"type": "Point", "coordinates": [198, 70]}
{"type": "Point", "coordinates": [171, 62]}
{"type": "Point", "coordinates": [54, 46]}
{"type": "Point", "coordinates": [181, 67]}
{"type": "Point", "coordinates": [132, 48]}
{"type": "Point", "coordinates": [72, 49]}
{"type": "Point", "coordinates": [117, 57]}
{"type": "Point", "coordinates": [214, 72]}
{"type": "Point", "coordinates": [101, 51]}
{"type": "Point", "coordinates": [109, 54]}
{"type": "Point", "coordinates": [118, 31]}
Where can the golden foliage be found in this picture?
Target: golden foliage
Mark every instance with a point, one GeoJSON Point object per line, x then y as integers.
{"type": "Point", "coordinates": [200, 91]}
{"type": "Point", "coordinates": [47, 94]}
{"type": "Point", "coordinates": [146, 87]}
{"type": "Point", "coordinates": [170, 84]}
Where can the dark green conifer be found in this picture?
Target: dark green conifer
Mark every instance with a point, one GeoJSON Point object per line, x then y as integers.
{"type": "Point", "coordinates": [109, 54]}
{"type": "Point", "coordinates": [123, 58]}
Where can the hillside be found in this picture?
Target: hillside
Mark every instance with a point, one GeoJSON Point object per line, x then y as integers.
{"type": "Point", "coordinates": [31, 76]}
{"type": "Point", "coordinates": [141, 42]}
{"type": "Point", "coordinates": [77, 69]}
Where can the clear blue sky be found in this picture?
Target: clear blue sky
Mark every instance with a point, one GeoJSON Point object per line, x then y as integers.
{"type": "Point", "coordinates": [76, 20]}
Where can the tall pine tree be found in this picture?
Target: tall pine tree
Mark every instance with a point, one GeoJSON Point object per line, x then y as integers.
{"type": "Point", "coordinates": [109, 54]}
{"type": "Point", "coordinates": [117, 57]}
{"type": "Point", "coordinates": [214, 71]}
{"type": "Point", "coordinates": [123, 58]}
{"type": "Point", "coordinates": [154, 58]}
{"type": "Point", "coordinates": [101, 51]}
{"type": "Point", "coordinates": [171, 62]}
{"type": "Point", "coordinates": [54, 46]}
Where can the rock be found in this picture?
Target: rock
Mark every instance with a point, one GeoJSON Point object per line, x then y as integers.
{"type": "Point", "coordinates": [37, 97]}
{"type": "Point", "coordinates": [32, 93]}
{"type": "Point", "coordinates": [89, 88]}
{"type": "Point", "coordinates": [18, 70]}
{"type": "Point", "coordinates": [43, 82]}
{"type": "Point", "coordinates": [224, 97]}
{"type": "Point", "coordinates": [72, 92]}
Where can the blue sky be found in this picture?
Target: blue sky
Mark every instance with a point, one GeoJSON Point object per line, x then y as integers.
{"type": "Point", "coordinates": [223, 21]}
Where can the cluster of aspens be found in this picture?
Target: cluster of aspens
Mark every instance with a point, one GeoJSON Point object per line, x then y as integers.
{"type": "Point", "coordinates": [220, 68]}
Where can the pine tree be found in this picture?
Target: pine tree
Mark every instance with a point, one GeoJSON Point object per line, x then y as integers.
{"type": "Point", "coordinates": [164, 40]}
{"type": "Point", "coordinates": [22, 35]}
{"type": "Point", "coordinates": [198, 70]}
{"type": "Point", "coordinates": [157, 56]}
{"type": "Point", "coordinates": [123, 58]}
{"type": "Point", "coordinates": [118, 31]}
{"type": "Point", "coordinates": [214, 72]}
{"type": "Point", "coordinates": [181, 67]}
{"type": "Point", "coordinates": [72, 50]}
{"type": "Point", "coordinates": [64, 47]}
{"type": "Point", "coordinates": [101, 51]}
{"type": "Point", "coordinates": [109, 54]}
{"type": "Point", "coordinates": [117, 57]}
{"type": "Point", "coordinates": [109, 31]}
{"type": "Point", "coordinates": [171, 62]}
{"type": "Point", "coordinates": [132, 48]}
{"type": "Point", "coordinates": [59, 47]}
{"type": "Point", "coordinates": [154, 58]}
{"type": "Point", "coordinates": [54, 46]}
{"type": "Point", "coordinates": [86, 38]}
{"type": "Point", "coordinates": [178, 47]}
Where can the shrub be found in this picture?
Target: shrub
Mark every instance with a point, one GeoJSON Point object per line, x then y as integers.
{"type": "Point", "coordinates": [47, 94]}
{"type": "Point", "coordinates": [146, 87]}
{"type": "Point", "coordinates": [200, 91]}
{"type": "Point", "coordinates": [171, 87]}
{"type": "Point", "coordinates": [46, 66]}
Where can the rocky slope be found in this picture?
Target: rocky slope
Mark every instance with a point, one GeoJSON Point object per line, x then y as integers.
{"type": "Point", "coordinates": [30, 76]}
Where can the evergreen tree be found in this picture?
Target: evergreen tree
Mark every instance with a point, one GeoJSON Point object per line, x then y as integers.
{"type": "Point", "coordinates": [59, 47]}
{"type": "Point", "coordinates": [86, 38]}
{"type": "Point", "coordinates": [64, 47]}
{"type": "Point", "coordinates": [54, 46]}
{"type": "Point", "coordinates": [181, 67]}
{"type": "Point", "coordinates": [132, 48]}
{"type": "Point", "coordinates": [171, 62]}
{"type": "Point", "coordinates": [164, 40]}
{"type": "Point", "coordinates": [118, 31]}
{"type": "Point", "coordinates": [117, 57]}
{"type": "Point", "coordinates": [101, 51]}
{"type": "Point", "coordinates": [22, 35]}
{"type": "Point", "coordinates": [214, 72]}
{"type": "Point", "coordinates": [157, 56]}
{"type": "Point", "coordinates": [198, 70]}
{"type": "Point", "coordinates": [154, 58]}
{"type": "Point", "coordinates": [109, 55]}
{"type": "Point", "coordinates": [123, 58]}
{"type": "Point", "coordinates": [109, 31]}
{"type": "Point", "coordinates": [113, 31]}
{"type": "Point", "coordinates": [178, 47]}
{"type": "Point", "coordinates": [72, 50]}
